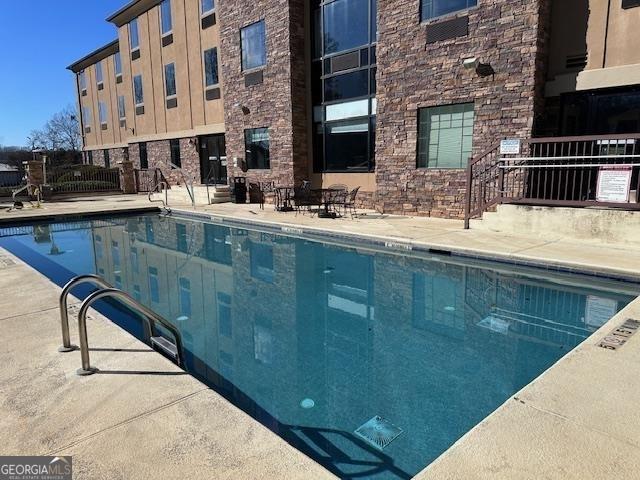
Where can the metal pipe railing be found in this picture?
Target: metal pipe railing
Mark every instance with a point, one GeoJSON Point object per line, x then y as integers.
{"type": "Point", "coordinates": [64, 314]}
{"type": "Point", "coordinates": [164, 187]}
{"type": "Point", "coordinates": [125, 298]}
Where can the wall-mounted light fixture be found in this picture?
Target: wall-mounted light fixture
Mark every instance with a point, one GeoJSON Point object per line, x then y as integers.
{"type": "Point", "coordinates": [482, 69]}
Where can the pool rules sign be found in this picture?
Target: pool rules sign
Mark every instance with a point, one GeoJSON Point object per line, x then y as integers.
{"type": "Point", "coordinates": [614, 183]}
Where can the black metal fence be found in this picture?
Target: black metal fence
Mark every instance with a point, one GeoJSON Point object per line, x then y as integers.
{"type": "Point", "coordinates": [83, 179]}
{"type": "Point", "coordinates": [10, 181]}
{"type": "Point", "coordinates": [562, 171]}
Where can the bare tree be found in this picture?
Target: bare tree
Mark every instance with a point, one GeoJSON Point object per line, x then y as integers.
{"type": "Point", "coordinates": [62, 131]}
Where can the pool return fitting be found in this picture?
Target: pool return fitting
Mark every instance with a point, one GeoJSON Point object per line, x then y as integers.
{"type": "Point", "coordinates": [151, 319]}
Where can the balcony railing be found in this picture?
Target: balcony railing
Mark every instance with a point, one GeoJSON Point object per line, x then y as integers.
{"type": "Point", "coordinates": [557, 171]}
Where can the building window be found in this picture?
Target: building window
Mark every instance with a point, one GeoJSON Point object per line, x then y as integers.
{"type": "Point", "coordinates": [82, 80]}
{"type": "Point", "coordinates": [211, 67]}
{"type": "Point", "coordinates": [343, 89]}
{"type": "Point", "coordinates": [86, 117]}
{"type": "Point", "coordinates": [445, 136]}
{"type": "Point", "coordinates": [138, 92]}
{"type": "Point", "coordinates": [90, 157]}
{"type": "Point", "coordinates": [437, 8]}
{"type": "Point", "coordinates": [134, 38]}
{"type": "Point", "coordinates": [99, 76]}
{"type": "Point", "coordinates": [122, 114]}
{"type": "Point", "coordinates": [207, 6]}
{"type": "Point", "coordinates": [102, 113]}
{"type": "Point", "coordinates": [166, 22]}
{"type": "Point", "coordinates": [254, 50]}
{"type": "Point", "coordinates": [118, 64]}
{"type": "Point", "coordinates": [170, 80]}
{"type": "Point", "coordinates": [256, 144]}
{"type": "Point", "coordinates": [174, 146]}
{"type": "Point", "coordinates": [144, 160]}
{"type": "Point", "coordinates": [346, 25]}
{"type": "Point", "coordinates": [107, 164]}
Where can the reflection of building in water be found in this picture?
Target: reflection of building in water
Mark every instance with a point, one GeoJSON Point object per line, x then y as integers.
{"type": "Point", "coordinates": [274, 321]}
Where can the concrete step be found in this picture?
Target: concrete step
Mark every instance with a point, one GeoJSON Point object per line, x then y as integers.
{"type": "Point", "coordinates": [178, 195]}
{"type": "Point", "coordinates": [588, 224]}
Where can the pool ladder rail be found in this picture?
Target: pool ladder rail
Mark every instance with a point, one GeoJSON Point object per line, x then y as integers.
{"type": "Point", "coordinates": [172, 350]}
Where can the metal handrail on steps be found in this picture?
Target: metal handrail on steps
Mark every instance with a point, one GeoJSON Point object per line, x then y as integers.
{"type": "Point", "coordinates": [151, 318]}
{"type": "Point", "coordinates": [64, 314]}
{"type": "Point", "coordinates": [159, 187]}
{"type": "Point", "coordinates": [188, 185]}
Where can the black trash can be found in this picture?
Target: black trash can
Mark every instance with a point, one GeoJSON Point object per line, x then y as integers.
{"type": "Point", "coordinates": [240, 190]}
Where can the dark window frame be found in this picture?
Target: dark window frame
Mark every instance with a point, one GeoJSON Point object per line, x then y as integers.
{"type": "Point", "coordinates": [174, 148]}
{"type": "Point", "coordinates": [144, 157]}
{"type": "Point", "coordinates": [249, 151]}
{"type": "Point", "coordinates": [424, 18]}
{"type": "Point", "coordinates": [264, 46]}
{"type": "Point", "coordinates": [215, 73]}
{"type": "Point", "coordinates": [323, 66]}
{"type": "Point", "coordinates": [107, 158]}
{"type": "Point", "coordinates": [463, 166]}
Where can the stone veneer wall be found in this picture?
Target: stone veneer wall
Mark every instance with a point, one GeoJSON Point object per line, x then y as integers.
{"type": "Point", "coordinates": [116, 155]}
{"type": "Point", "coordinates": [279, 103]}
{"type": "Point", "coordinates": [508, 34]}
{"type": "Point", "coordinates": [159, 156]}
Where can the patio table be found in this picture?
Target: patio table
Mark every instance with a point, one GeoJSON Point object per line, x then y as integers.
{"type": "Point", "coordinates": [283, 199]}
{"type": "Point", "coordinates": [328, 196]}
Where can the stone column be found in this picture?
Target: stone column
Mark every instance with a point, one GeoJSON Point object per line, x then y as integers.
{"type": "Point", "coordinates": [35, 172]}
{"type": "Point", "coordinates": [127, 177]}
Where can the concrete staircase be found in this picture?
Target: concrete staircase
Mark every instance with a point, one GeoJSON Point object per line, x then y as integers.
{"type": "Point", "coordinates": [606, 225]}
{"type": "Point", "coordinates": [178, 195]}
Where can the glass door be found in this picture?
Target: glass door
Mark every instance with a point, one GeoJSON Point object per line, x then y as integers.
{"type": "Point", "coordinates": [213, 160]}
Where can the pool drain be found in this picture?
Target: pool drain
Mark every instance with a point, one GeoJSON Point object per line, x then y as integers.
{"type": "Point", "coordinates": [378, 432]}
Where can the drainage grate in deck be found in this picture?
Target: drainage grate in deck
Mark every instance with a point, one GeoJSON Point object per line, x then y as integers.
{"type": "Point", "coordinates": [378, 432]}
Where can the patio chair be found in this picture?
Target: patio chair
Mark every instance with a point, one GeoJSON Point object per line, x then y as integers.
{"type": "Point", "coordinates": [267, 189]}
{"type": "Point", "coordinates": [305, 199]}
{"type": "Point", "coordinates": [350, 202]}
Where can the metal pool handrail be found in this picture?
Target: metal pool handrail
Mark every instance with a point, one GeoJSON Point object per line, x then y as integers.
{"type": "Point", "coordinates": [125, 298]}
{"type": "Point", "coordinates": [64, 314]}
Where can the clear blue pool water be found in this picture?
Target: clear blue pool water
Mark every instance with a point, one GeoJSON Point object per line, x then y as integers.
{"type": "Point", "coordinates": [314, 340]}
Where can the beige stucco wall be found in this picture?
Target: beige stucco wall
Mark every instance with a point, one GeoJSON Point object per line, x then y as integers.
{"type": "Point", "coordinates": [603, 30]}
{"type": "Point", "coordinates": [114, 134]}
{"type": "Point", "coordinates": [189, 42]}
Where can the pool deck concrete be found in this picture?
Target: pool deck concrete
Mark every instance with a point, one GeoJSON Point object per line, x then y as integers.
{"type": "Point", "coordinates": [142, 417]}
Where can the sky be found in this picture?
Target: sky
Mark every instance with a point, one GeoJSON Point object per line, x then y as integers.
{"type": "Point", "coordinates": [38, 40]}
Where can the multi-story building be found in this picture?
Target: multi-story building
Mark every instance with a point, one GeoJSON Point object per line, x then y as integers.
{"type": "Point", "coordinates": [392, 96]}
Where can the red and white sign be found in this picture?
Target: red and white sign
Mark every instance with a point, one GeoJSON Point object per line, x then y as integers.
{"type": "Point", "coordinates": [614, 183]}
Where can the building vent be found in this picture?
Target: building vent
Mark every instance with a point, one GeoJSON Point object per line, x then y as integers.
{"type": "Point", "coordinates": [254, 78]}
{"type": "Point", "coordinates": [456, 27]}
{"type": "Point", "coordinates": [208, 21]}
{"type": "Point", "coordinates": [378, 432]}
{"type": "Point", "coordinates": [213, 94]}
{"type": "Point", "coordinates": [167, 40]}
{"type": "Point", "coordinates": [345, 62]}
{"type": "Point", "coordinates": [630, 3]}
{"type": "Point", "coordinates": [172, 103]}
{"type": "Point", "coordinates": [135, 55]}
{"type": "Point", "coordinates": [576, 62]}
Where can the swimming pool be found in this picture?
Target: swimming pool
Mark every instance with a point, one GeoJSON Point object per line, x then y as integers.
{"type": "Point", "coordinates": [371, 362]}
